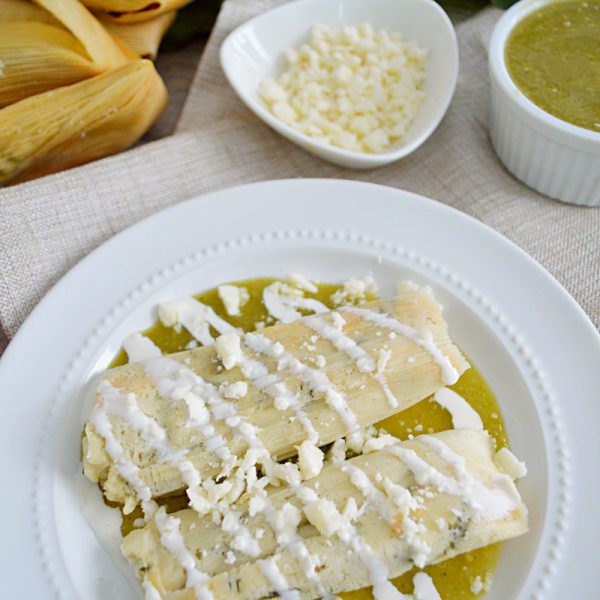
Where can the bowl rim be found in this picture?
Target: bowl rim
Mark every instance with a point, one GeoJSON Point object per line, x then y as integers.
{"type": "Point", "coordinates": [308, 143]}
{"type": "Point", "coordinates": [498, 69]}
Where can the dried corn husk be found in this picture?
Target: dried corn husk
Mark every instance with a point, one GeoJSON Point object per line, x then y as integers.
{"type": "Point", "coordinates": [103, 49]}
{"type": "Point", "coordinates": [133, 11]}
{"type": "Point", "coordinates": [37, 57]}
{"type": "Point", "coordinates": [12, 11]}
{"type": "Point", "coordinates": [72, 125]}
{"type": "Point", "coordinates": [143, 38]}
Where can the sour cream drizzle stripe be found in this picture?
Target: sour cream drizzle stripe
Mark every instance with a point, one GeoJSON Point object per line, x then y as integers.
{"type": "Point", "coordinates": [372, 495]}
{"type": "Point", "coordinates": [424, 339]}
{"type": "Point", "coordinates": [317, 380]}
{"type": "Point", "coordinates": [195, 316]}
{"type": "Point", "coordinates": [127, 469]}
{"type": "Point", "coordinates": [464, 416]}
{"type": "Point", "coordinates": [126, 408]}
{"type": "Point", "coordinates": [172, 540]}
{"type": "Point", "coordinates": [344, 343]}
{"type": "Point", "coordinates": [174, 381]}
{"type": "Point", "coordinates": [262, 380]}
{"type": "Point", "coordinates": [341, 342]}
{"type": "Point", "coordinates": [295, 546]}
{"type": "Point", "coordinates": [492, 503]}
{"type": "Point", "coordinates": [272, 573]}
{"type": "Point", "coordinates": [383, 589]}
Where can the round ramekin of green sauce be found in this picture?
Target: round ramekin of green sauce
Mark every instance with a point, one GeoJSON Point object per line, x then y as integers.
{"type": "Point", "coordinates": [544, 62]}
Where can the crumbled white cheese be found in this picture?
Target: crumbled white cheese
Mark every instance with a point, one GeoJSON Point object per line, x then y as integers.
{"type": "Point", "coordinates": [324, 515]}
{"type": "Point", "coordinates": [354, 290]}
{"type": "Point", "coordinates": [286, 521]}
{"type": "Point", "coordinates": [351, 87]}
{"type": "Point", "coordinates": [477, 586]}
{"type": "Point", "coordinates": [286, 472]}
{"type": "Point", "coordinates": [310, 459]}
{"type": "Point", "coordinates": [355, 441]}
{"type": "Point", "coordinates": [169, 313]}
{"type": "Point", "coordinates": [216, 491]}
{"type": "Point", "coordinates": [234, 391]}
{"type": "Point", "coordinates": [233, 298]}
{"type": "Point", "coordinates": [378, 443]}
{"type": "Point", "coordinates": [337, 452]}
{"type": "Point", "coordinates": [351, 511]}
{"type": "Point", "coordinates": [383, 359]}
{"type": "Point", "coordinates": [510, 464]}
{"type": "Point", "coordinates": [229, 350]}
{"type": "Point", "coordinates": [300, 281]}
{"type": "Point", "coordinates": [199, 500]}
{"type": "Point", "coordinates": [256, 505]}
{"type": "Point", "coordinates": [230, 558]}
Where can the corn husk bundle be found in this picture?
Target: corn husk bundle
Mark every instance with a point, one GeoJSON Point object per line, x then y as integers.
{"type": "Point", "coordinates": [141, 37]}
{"type": "Point", "coordinates": [72, 87]}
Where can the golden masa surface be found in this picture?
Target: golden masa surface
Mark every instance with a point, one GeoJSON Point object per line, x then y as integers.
{"type": "Point", "coordinates": [452, 578]}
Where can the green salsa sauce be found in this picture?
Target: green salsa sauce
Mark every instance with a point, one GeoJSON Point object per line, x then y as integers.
{"type": "Point", "coordinates": [453, 578]}
{"type": "Point", "coordinates": [553, 57]}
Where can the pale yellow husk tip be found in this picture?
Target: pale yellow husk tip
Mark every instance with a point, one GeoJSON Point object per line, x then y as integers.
{"type": "Point", "coordinates": [133, 11]}
{"type": "Point", "coordinates": [144, 37]}
{"type": "Point", "coordinates": [75, 124]}
{"type": "Point", "coordinates": [37, 57]}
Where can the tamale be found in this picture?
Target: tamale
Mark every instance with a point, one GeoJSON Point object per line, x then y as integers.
{"type": "Point", "coordinates": [419, 502]}
{"type": "Point", "coordinates": [379, 372]}
{"type": "Point", "coordinates": [74, 124]}
{"type": "Point", "coordinates": [37, 57]}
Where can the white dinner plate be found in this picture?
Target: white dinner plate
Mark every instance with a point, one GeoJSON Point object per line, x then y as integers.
{"type": "Point", "coordinates": [534, 345]}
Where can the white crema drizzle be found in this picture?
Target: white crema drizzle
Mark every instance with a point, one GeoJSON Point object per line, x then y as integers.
{"type": "Point", "coordinates": [345, 344]}
{"type": "Point", "coordinates": [383, 589]}
{"type": "Point", "coordinates": [489, 503]}
{"type": "Point", "coordinates": [424, 339]}
{"type": "Point", "coordinates": [464, 416]}
{"type": "Point", "coordinates": [316, 380]}
{"type": "Point", "coordinates": [283, 306]}
{"type": "Point", "coordinates": [172, 540]}
{"type": "Point", "coordinates": [195, 316]}
{"type": "Point", "coordinates": [110, 402]}
{"type": "Point", "coordinates": [272, 573]}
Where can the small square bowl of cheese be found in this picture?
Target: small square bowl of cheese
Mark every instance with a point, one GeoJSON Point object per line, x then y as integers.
{"type": "Point", "coordinates": [360, 84]}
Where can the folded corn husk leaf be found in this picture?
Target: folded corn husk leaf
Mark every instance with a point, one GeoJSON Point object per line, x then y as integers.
{"type": "Point", "coordinates": [37, 57]}
{"type": "Point", "coordinates": [72, 125]}
{"type": "Point", "coordinates": [104, 50]}
{"type": "Point", "coordinates": [143, 38]}
{"type": "Point", "coordinates": [12, 11]}
{"type": "Point", "coordinates": [133, 11]}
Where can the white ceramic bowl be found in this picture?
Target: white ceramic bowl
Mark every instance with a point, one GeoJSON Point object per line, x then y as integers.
{"type": "Point", "coordinates": [552, 156]}
{"type": "Point", "coordinates": [254, 52]}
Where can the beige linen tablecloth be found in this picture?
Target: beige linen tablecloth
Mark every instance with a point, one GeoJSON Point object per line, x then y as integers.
{"type": "Point", "coordinates": [46, 226]}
